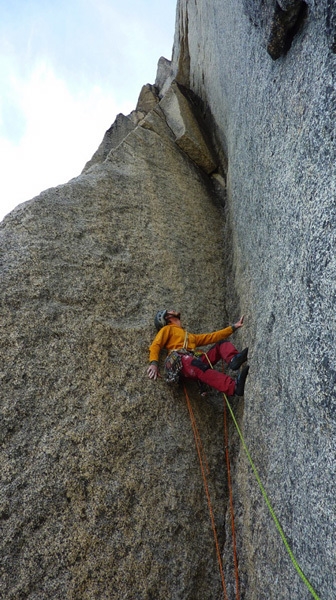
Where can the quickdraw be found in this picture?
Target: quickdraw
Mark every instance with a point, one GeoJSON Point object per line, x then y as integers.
{"type": "Point", "coordinates": [173, 367]}
{"type": "Point", "coordinates": [173, 363]}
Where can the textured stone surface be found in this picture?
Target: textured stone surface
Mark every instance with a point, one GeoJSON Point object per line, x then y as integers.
{"type": "Point", "coordinates": [101, 493]}
{"type": "Point", "coordinates": [182, 119]}
{"type": "Point", "coordinates": [164, 75]}
{"type": "Point", "coordinates": [147, 99]}
{"type": "Point", "coordinates": [286, 22]}
{"type": "Point", "coordinates": [276, 121]}
{"type": "Point", "coordinates": [121, 127]}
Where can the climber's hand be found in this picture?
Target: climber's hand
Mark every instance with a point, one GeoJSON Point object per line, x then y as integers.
{"type": "Point", "coordinates": [239, 323]}
{"type": "Point", "coordinates": [152, 371]}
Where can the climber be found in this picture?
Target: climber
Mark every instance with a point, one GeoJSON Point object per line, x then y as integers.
{"type": "Point", "coordinates": [198, 364]}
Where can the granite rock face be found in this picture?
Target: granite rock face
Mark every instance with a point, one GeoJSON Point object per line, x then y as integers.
{"type": "Point", "coordinates": [101, 493]}
{"type": "Point", "coordinates": [186, 126]}
{"type": "Point", "coordinates": [276, 121]}
{"type": "Point", "coordinates": [215, 196]}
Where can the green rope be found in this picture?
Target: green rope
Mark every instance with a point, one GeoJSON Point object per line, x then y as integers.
{"type": "Point", "coordinates": [283, 537]}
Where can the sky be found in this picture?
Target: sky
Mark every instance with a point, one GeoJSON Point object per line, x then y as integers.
{"type": "Point", "coordinates": [67, 68]}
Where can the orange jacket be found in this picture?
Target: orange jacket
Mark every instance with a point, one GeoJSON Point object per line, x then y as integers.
{"type": "Point", "coordinates": [172, 337]}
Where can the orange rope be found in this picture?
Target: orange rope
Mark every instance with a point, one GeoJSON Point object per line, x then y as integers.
{"type": "Point", "coordinates": [201, 457]}
{"type": "Point", "coordinates": [199, 441]}
{"type": "Point", "coordinates": [226, 445]}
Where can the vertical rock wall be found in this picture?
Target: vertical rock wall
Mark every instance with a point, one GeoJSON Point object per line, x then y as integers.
{"type": "Point", "coordinates": [101, 494]}
{"type": "Point", "coordinates": [266, 74]}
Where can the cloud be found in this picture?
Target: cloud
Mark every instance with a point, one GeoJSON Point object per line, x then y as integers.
{"type": "Point", "coordinates": [59, 131]}
{"type": "Point", "coordinates": [66, 70]}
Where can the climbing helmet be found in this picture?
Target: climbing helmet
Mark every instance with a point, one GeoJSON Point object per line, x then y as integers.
{"type": "Point", "coordinates": [159, 320]}
{"type": "Point", "coordinates": [162, 317]}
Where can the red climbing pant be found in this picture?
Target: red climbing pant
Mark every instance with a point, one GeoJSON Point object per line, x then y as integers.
{"type": "Point", "coordinates": [199, 368]}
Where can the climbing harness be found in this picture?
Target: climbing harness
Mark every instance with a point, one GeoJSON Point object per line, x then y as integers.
{"type": "Point", "coordinates": [173, 367]}
{"type": "Point", "coordinates": [173, 363]}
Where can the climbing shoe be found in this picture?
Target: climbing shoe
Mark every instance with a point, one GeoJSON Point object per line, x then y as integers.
{"type": "Point", "coordinates": [240, 381]}
{"type": "Point", "coordinates": [238, 360]}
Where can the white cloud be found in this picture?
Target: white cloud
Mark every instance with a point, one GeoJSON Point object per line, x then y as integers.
{"type": "Point", "coordinates": [60, 130]}
{"type": "Point", "coordinates": [66, 70]}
